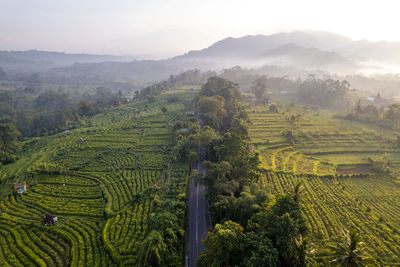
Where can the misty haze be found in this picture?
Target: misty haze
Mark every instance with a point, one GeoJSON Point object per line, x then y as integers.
{"type": "Point", "coordinates": [199, 133]}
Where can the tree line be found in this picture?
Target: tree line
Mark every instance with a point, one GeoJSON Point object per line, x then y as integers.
{"type": "Point", "coordinates": [387, 117]}
{"type": "Point", "coordinates": [245, 233]}
{"type": "Point", "coordinates": [251, 227]}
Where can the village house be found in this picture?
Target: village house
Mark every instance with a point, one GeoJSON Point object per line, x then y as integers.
{"type": "Point", "coordinates": [20, 187]}
{"type": "Point", "coordinates": [190, 113]}
{"type": "Point", "coordinates": [50, 219]}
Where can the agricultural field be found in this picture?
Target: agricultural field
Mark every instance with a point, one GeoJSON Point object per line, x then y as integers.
{"type": "Point", "coordinates": [322, 145]}
{"type": "Point", "coordinates": [342, 190]}
{"type": "Point", "coordinates": [100, 181]}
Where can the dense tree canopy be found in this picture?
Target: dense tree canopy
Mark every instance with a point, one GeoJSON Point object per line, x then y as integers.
{"type": "Point", "coordinates": [8, 135]}
{"type": "Point", "coordinates": [3, 74]}
{"type": "Point", "coordinates": [259, 87]}
{"type": "Point", "coordinates": [258, 250]}
{"type": "Point", "coordinates": [324, 93]}
{"type": "Point", "coordinates": [224, 246]}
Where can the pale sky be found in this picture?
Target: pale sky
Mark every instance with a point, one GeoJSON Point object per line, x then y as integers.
{"type": "Point", "coordinates": [162, 28]}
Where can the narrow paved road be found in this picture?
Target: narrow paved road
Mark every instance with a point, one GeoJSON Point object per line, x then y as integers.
{"type": "Point", "coordinates": [197, 216]}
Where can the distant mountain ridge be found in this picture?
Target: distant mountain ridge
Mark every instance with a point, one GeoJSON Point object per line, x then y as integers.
{"type": "Point", "coordinates": [304, 50]}
{"type": "Point", "coordinates": [335, 49]}
{"type": "Point", "coordinates": [255, 45]}
{"type": "Point", "coordinates": [35, 60]}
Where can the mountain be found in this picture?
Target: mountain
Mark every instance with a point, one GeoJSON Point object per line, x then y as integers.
{"type": "Point", "coordinates": [303, 50]}
{"type": "Point", "coordinates": [141, 72]}
{"type": "Point", "coordinates": [309, 50]}
{"type": "Point", "coordinates": [251, 46]}
{"type": "Point", "coordinates": [334, 49]}
{"type": "Point", "coordinates": [34, 60]}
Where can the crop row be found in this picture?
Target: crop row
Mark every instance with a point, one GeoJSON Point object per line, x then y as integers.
{"type": "Point", "coordinates": [331, 205]}
{"type": "Point", "coordinates": [32, 246]}
{"type": "Point", "coordinates": [129, 228]}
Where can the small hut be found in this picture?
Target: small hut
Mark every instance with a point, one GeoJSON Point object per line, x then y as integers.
{"type": "Point", "coordinates": [50, 219]}
{"type": "Point", "coordinates": [191, 113]}
{"type": "Point", "coordinates": [20, 187]}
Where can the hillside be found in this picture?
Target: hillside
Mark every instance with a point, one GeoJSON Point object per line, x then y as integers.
{"type": "Point", "coordinates": [108, 183]}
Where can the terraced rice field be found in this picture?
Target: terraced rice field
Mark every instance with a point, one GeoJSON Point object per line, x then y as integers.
{"type": "Point", "coordinates": [322, 144]}
{"type": "Point", "coordinates": [276, 152]}
{"type": "Point", "coordinates": [97, 194]}
{"type": "Point", "coordinates": [334, 199]}
{"type": "Point", "coordinates": [370, 204]}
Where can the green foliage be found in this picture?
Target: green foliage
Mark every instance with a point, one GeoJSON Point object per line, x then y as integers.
{"type": "Point", "coordinates": [153, 250]}
{"type": "Point", "coordinates": [324, 93]}
{"type": "Point", "coordinates": [224, 246]}
{"type": "Point", "coordinates": [100, 189]}
{"type": "Point", "coordinates": [282, 223]}
{"type": "Point", "coordinates": [387, 117]}
{"type": "Point", "coordinates": [273, 108]}
{"type": "Point", "coordinates": [50, 168]}
{"type": "Point", "coordinates": [218, 102]}
{"type": "Point", "coordinates": [259, 87]}
{"type": "Point", "coordinates": [258, 250]}
{"type": "Point", "coordinates": [380, 164]}
{"type": "Point", "coordinates": [351, 250]}
{"type": "Point", "coordinates": [3, 74]}
{"type": "Point", "coordinates": [251, 200]}
{"type": "Point", "coordinates": [212, 110]}
{"type": "Point", "coordinates": [8, 136]}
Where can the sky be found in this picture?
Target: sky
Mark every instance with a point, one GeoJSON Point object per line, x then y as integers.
{"type": "Point", "coordinates": [163, 28]}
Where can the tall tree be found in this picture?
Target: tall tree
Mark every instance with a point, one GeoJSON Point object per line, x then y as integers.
{"type": "Point", "coordinates": [259, 87]}
{"type": "Point", "coordinates": [283, 224]}
{"type": "Point", "coordinates": [8, 135]}
{"type": "Point", "coordinates": [224, 246]}
{"type": "Point", "coordinates": [351, 251]}
{"type": "Point", "coordinates": [3, 74]}
{"type": "Point", "coordinates": [258, 250]}
{"type": "Point", "coordinates": [212, 110]}
{"type": "Point", "coordinates": [153, 250]}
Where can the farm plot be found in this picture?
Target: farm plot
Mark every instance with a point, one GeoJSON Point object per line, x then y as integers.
{"type": "Point", "coordinates": [132, 226]}
{"type": "Point", "coordinates": [101, 170]}
{"type": "Point", "coordinates": [369, 204]}
{"type": "Point", "coordinates": [276, 152]}
{"type": "Point", "coordinates": [30, 246]}
{"type": "Point", "coordinates": [331, 157]}
{"type": "Point", "coordinates": [322, 144]}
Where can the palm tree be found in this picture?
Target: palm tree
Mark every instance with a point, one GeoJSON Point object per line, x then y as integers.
{"type": "Point", "coordinates": [298, 191]}
{"type": "Point", "coordinates": [304, 250]}
{"type": "Point", "coordinates": [153, 250]}
{"type": "Point", "coordinates": [352, 252]}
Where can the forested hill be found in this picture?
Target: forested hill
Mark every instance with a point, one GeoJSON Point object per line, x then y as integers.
{"type": "Point", "coordinates": [35, 61]}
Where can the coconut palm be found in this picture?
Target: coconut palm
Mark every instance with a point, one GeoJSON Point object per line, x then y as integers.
{"type": "Point", "coordinates": [298, 191]}
{"type": "Point", "coordinates": [352, 251]}
{"type": "Point", "coordinates": [153, 250]}
{"type": "Point", "coordinates": [304, 250]}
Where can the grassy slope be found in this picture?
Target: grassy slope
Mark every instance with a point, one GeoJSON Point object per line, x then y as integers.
{"type": "Point", "coordinates": [125, 152]}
